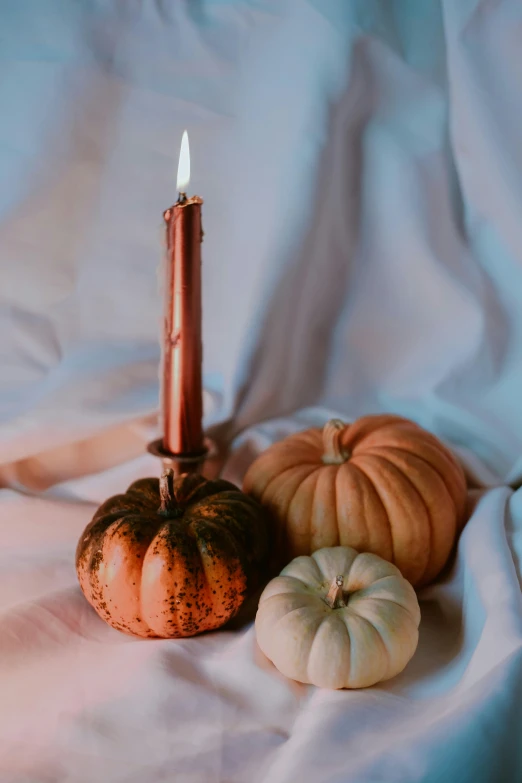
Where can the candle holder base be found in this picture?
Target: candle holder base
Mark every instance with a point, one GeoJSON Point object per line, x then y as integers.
{"type": "Point", "coordinates": [207, 462]}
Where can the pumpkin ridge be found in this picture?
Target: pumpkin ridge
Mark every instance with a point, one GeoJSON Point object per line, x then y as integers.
{"type": "Point", "coordinates": [444, 453]}
{"type": "Point", "coordinates": [296, 579]}
{"type": "Point", "coordinates": [309, 599]}
{"type": "Point", "coordinates": [315, 468]}
{"type": "Point", "coordinates": [318, 574]}
{"type": "Point", "coordinates": [349, 466]}
{"type": "Point", "coordinates": [428, 510]}
{"type": "Point", "coordinates": [389, 600]}
{"type": "Point", "coordinates": [428, 514]}
{"type": "Point", "coordinates": [147, 503]}
{"type": "Point", "coordinates": [302, 464]}
{"type": "Point", "coordinates": [221, 524]}
{"type": "Point", "coordinates": [89, 538]}
{"type": "Point", "coordinates": [86, 550]}
{"type": "Point", "coordinates": [169, 537]}
{"type": "Point", "coordinates": [368, 426]}
{"type": "Point", "coordinates": [405, 429]}
{"type": "Point", "coordinates": [217, 524]}
{"type": "Point", "coordinates": [320, 531]}
{"type": "Point", "coordinates": [294, 610]}
{"type": "Point", "coordinates": [200, 493]}
{"type": "Point", "coordinates": [381, 640]}
{"type": "Point", "coordinates": [441, 447]}
{"type": "Point", "coordinates": [143, 486]}
{"type": "Point", "coordinates": [327, 619]}
{"type": "Point", "coordinates": [346, 615]}
{"type": "Point", "coordinates": [422, 440]}
{"type": "Point", "coordinates": [252, 535]}
{"type": "Point", "coordinates": [434, 521]}
{"type": "Point", "coordinates": [239, 516]}
{"type": "Point", "coordinates": [146, 627]}
{"type": "Point", "coordinates": [307, 440]}
{"type": "Point", "coordinates": [231, 542]}
{"type": "Point", "coordinates": [200, 545]}
{"type": "Point", "coordinates": [352, 464]}
{"type": "Point", "coordinates": [298, 464]}
{"type": "Point", "coordinates": [98, 596]}
{"type": "Point", "coordinates": [421, 437]}
{"type": "Point", "coordinates": [281, 450]}
{"type": "Point", "coordinates": [222, 552]}
{"type": "Point", "coordinates": [208, 589]}
{"type": "Point", "coordinates": [381, 578]}
{"type": "Point", "coordinates": [121, 503]}
{"type": "Point", "coordinates": [278, 452]}
{"type": "Point", "coordinates": [417, 456]}
{"type": "Point", "coordinates": [315, 474]}
{"type": "Point", "coordinates": [391, 516]}
{"type": "Point", "coordinates": [156, 541]}
{"type": "Point", "coordinates": [95, 554]}
{"type": "Point", "coordinates": [220, 499]}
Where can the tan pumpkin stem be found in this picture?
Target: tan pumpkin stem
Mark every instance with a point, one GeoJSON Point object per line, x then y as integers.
{"type": "Point", "coordinates": [169, 506]}
{"type": "Point", "coordinates": [334, 597]}
{"type": "Point", "coordinates": [333, 451]}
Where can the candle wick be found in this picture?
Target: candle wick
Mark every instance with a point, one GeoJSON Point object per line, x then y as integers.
{"type": "Point", "coordinates": [182, 197]}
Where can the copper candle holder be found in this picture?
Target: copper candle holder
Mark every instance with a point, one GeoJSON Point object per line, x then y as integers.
{"type": "Point", "coordinates": [208, 462]}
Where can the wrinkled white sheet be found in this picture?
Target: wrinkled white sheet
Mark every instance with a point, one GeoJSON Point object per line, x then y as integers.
{"type": "Point", "coordinates": [361, 169]}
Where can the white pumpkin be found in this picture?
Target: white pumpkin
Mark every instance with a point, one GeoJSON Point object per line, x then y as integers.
{"type": "Point", "coordinates": [338, 619]}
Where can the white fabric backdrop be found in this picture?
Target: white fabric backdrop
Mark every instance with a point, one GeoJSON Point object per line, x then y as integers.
{"type": "Point", "coordinates": [361, 169]}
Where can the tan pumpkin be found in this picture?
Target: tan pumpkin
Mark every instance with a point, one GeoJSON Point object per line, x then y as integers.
{"type": "Point", "coordinates": [173, 557]}
{"type": "Point", "coordinates": [382, 484]}
{"type": "Point", "coordinates": [338, 619]}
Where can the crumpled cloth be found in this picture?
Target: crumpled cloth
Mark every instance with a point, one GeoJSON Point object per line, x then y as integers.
{"type": "Point", "coordinates": [361, 171]}
{"type": "Point", "coordinates": [82, 702]}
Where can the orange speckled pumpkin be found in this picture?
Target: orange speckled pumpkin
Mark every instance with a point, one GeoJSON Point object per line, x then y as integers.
{"type": "Point", "coordinates": [382, 485]}
{"type": "Point", "coordinates": [172, 557]}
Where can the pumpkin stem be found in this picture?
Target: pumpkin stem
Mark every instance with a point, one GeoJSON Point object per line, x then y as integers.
{"type": "Point", "coordinates": [334, 597]}
{"type": "Point", "coordinates": [333, 451]}
{"type": "Point", "coordinates": [169, 506]}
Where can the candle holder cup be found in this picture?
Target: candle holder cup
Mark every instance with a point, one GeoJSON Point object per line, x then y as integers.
{"type": "Point", "coordinates": [207, 462]}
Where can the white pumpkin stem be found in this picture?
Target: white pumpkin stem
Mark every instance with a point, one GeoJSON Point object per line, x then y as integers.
{"type": "Point", "coordinates": [333, 451]}
{"type": "Point", "coordinates": [334, 597]}
{"type": "Point", "coordinates": [169, 506]}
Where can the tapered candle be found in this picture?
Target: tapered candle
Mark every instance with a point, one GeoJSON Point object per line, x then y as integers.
{"type": "Point", "coordinates": [182, 393]}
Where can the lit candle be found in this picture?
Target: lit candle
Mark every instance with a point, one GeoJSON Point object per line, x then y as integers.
{"type": "Point", "coordinates": [182, 393]}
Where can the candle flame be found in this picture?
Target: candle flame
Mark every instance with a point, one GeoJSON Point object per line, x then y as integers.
{"type": "Point", "coordinates": [184, 164]}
